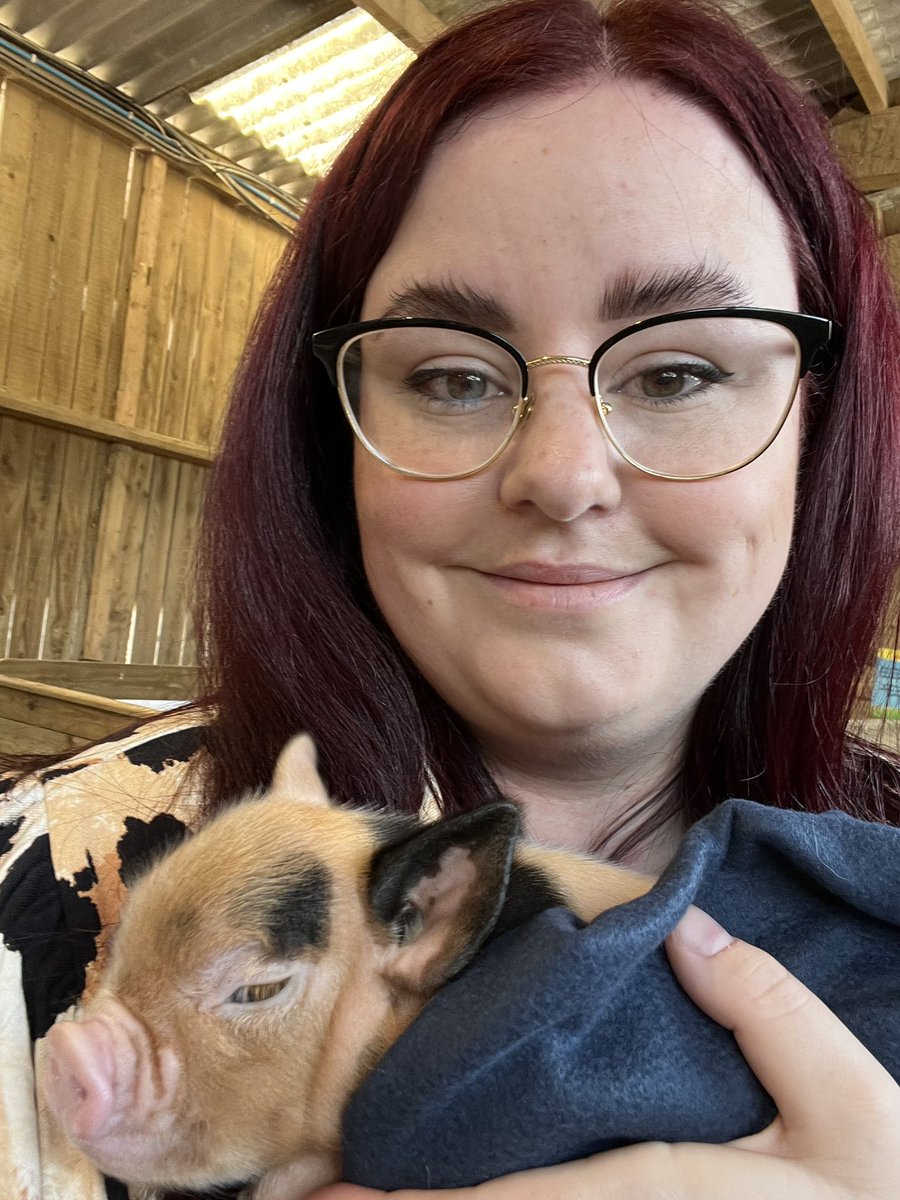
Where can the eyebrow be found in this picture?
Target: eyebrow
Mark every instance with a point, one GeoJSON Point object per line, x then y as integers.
{"type": "Point", "coordinates": [697, 286]}
{"type": "Point", "coordinates": [631, 295]}
{"type": "Point", "coordinates": [450, 302]}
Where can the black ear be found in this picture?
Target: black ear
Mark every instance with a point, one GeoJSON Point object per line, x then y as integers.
{"type": "Point", "coordinates": [441, 890]}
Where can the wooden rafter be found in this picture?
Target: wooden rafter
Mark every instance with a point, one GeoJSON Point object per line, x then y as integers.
{"type": "Point", "coordinates": [409, 20]}
{"type": "Point", "coordinates": [845, 30]}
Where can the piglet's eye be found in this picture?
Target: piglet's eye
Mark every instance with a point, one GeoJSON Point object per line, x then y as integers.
{"type": "Point", "coordinates": [252, 993]}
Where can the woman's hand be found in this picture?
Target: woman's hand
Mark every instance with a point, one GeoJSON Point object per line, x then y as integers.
{"type": "Point", "coordinates": [837, 1133]}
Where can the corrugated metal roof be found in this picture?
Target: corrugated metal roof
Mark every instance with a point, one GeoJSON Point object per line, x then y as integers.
{"type": "Point", "coordinates": [158, 51]}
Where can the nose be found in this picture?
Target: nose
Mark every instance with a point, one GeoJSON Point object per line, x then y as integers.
{"type": "Point", "coordinates": [560, 460]}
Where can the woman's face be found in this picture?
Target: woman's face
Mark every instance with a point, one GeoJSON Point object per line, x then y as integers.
{"type": "Point", "coordinates": [561, 601]}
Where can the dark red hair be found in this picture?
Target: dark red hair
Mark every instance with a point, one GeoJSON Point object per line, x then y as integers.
{"type": "Point", "coordinates": [292, 638]}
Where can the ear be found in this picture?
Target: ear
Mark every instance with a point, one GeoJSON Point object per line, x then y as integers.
{"type": "Point", "coordinates": [295, 773]}
{"type": "Point", "coordinates": [441, 892]}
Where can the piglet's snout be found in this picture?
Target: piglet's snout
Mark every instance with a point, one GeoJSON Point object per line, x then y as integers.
{"type": "Point", "coordinates": [101, 1069]}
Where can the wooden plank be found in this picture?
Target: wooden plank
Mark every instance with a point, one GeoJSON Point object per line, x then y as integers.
{"type": "Point", "coordinates": [79, 180]}
{"type": "Point", "coordinates": [176, 631]}
{"type": "Point", "coordinates": [137, 310]}
{"type": "Point", "coordinates": [106, 431]}
{"type": "Point", "coordinates": [846, 31]}
{"type": "Point", "coordinates": [409, 20]}
{"type": "Point", "coordinates": [80, 499]}
{"type": "Point", "coordinates": [870, 149]}
{"type": "Point", "coordinates": [18, 130]}
{"type": "Point", "coordinates": [16, 442]}
{"type": "Point", "coordinates": [37, 545]}
{"type": "Point", "coordinates": [154, 552]}
{"type": "Point", "coordinates": [892, 250]}
{"type": "Point", "coordinates": [886, 207]}
{"type": "Point", "coordinates": [117, 681]}
{"type": "Point", "coordinates": [63, 710]}
{"type": "Point", "coordinates": [17, 737]}
{"type": "Point", "coordinates": [270, 245]}
{"type": "Point", "coordinates": [117, 562]}
{"type": "Point", "coordinates": [205, 402]}
{"type": "Point", "coordinates": [162, 313]}
{"type": "Point", "coordinates": [127, 234]}
{"type": "Point", "coordinates": [186, 330]}
{"type": "Point", "coordinates": [239, 309]}
{"type": "Point", "coordinates": [96, 381]}
{"type": "Point", "coordinates": [32, 301]}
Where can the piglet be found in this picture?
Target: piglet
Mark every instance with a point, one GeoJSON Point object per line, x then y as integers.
{"type": "Point", "coordinates": [263, 967]}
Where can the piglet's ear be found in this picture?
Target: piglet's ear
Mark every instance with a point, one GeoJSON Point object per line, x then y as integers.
{"type": "Point", "coordinates": [296, 775]}
{"type": "Point", "coordinates": [441, 891]}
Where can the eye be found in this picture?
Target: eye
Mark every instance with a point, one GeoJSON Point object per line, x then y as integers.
{"type": "Point", "coordinates": [407, 922]}
{"type": "Point", "coordinates": [460, 385]}
{"type": "Point", "coordinates": [671, 380]}
{"type": "Point", "coordinates": [253, 993]}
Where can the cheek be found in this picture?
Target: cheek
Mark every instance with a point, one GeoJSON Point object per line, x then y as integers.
{"type": "Point", "coordinates": [741, 526]}
{"type": "Point", "coordinates": [406, 527]}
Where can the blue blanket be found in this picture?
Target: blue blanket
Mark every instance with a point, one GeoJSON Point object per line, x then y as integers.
{"type": "Point", "coordinates": [562, 1040]}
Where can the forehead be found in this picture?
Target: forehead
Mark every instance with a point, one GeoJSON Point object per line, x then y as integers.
{"type": "Point", "coordinates": [579, 188]}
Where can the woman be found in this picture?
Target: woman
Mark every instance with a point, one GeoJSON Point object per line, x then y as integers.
{"type": "Point", "coordinates": [617, 609]}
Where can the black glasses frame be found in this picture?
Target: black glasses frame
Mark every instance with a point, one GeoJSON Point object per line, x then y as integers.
{"type": "Point", "coordinates": [816, 337]}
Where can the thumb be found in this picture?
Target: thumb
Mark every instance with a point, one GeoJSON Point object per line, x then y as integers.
{"type": "Point", "coordinates": [805, 1058]}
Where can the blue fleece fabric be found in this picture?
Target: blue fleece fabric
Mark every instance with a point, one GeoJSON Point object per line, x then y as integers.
{"type": "Point", "coordinates": [562, 1040]}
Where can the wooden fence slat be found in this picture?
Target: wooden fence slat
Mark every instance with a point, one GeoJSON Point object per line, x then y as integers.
{"type": "Point", "coordinates": [892, 251]}
{"type": "Point", "coordinates": [137, 162]}
{"type": "Point", "coordinates": [185, 334]}
{"type": "Point", "coordinates": [163, 312]}
{"type": "Point", "coordinates": [18, 130]}
{"type": "Point", "coordinates": [117, 560]}
{"type": "Point", "coordinates": [79, 183]}
{"type": "Point", "coordinates": [270, 244]}
{"type": "Point", "coordinates": [239, 309]}
{"type": "Point", "coordinates": [36, 548]}
{"type": "Point", "coordinates": [154, 552]}
{"type": "Point", "coordinates": [206, 403]}
{"type": "Point", "coordinates": [96, 383]}
{"type": "Point", "coordinates": [176, 633]}
{"type": "Point", "coordinates": [16, 443]}
{"type": "Point", "coordinates": [81, 495]}
{"type": "Point", "coordinates": [129, 407]}
{"type": "Point", "coordinates": [34, 291]}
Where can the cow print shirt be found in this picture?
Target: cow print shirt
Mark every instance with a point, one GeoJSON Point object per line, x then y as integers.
{"type": "Point", "coordinates": [72, 837]}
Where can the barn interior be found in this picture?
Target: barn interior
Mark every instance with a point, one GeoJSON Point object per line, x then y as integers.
{"type": "Point", "coordinates": [154, 159]}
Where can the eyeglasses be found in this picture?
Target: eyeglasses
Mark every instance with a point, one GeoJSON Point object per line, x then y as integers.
{"type": "Point", "coordinates": [685, 396]}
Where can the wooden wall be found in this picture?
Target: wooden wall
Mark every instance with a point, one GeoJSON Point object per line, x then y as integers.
{"type": "Point", "coordinates": [127, 288]}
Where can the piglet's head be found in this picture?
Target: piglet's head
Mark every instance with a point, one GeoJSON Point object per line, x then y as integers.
{"type": "Point", "coordinates": [259, 971]}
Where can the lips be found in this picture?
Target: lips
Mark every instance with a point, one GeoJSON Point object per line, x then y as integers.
{"type": "Point", "coordinates": [566, 588]}
{"type": "Point", "coordinates": [560, 574]}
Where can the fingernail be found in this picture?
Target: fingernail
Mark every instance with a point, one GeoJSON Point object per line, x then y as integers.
{"type": "Point", "coordinates": [701, 933]}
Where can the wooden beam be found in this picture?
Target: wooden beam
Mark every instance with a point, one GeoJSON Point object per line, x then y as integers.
{"type": "Point", "coordinates": [409, 20]}
{"type": "Point", "coordinates": [115, 681]}
{"type": "Point", "coordinates": [63, 710]}
{"type": "Point", "coordinates": [845, 30]}
{"type": "Point", "coordinates": [106, 431]}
